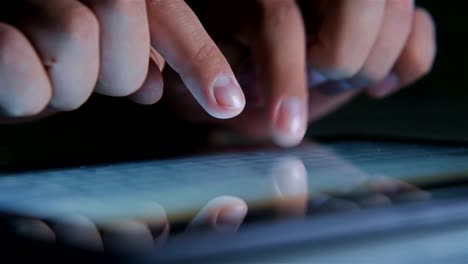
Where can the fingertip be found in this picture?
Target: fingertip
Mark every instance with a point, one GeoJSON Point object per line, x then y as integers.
{"type": "Point", "coordinates": [287, 141]}
{"type": "Point", "coordinates": [289, 122]}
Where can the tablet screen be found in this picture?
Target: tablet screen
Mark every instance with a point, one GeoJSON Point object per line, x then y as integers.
{"type": "Point", "coordinates": [254, 185]}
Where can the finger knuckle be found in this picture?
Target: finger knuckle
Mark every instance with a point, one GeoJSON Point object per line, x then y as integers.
{"type": "Point", "coordinates": [335, 60]}
{"type": "Point", "coordinates": [80, 24]}
{"type": "Point", "coordinates": [206, 53]}
{"type": "Point", "coordinates": [341, 67]}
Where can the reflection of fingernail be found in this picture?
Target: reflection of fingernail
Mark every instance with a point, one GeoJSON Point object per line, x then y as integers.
{"type": "Point", "coordinates": [315, 78]}
{"type": "Point", "coordinates": [230, 218]}
{"type": "Point", "coordinates": [386, 86]}
{"type": "Point", "coordinates": [227, 94]}
{"type": "Point", "coordinates": [334, 87]}
{"type": "Point", "coordinates": [290, 120]}
{"type": "Point", "coordinates": [290, 178]}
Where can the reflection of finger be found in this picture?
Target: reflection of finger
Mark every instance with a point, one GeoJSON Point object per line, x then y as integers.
{"type": "Point", "coordinates": [416, 59]}
{"type": "Point", "coordinates": [222, 214]}
{"type": "Point", "coordinates": [291, 187]}
{"type": "Point", "coordinates": [33, 229]}
{"type": "Point", "coordinates": [157, 222]}
{"type": "Point", "coordinates": [78, 231]}
{"type": "Point", "coordinates": [126, 236]}
{"type": "Point", "coordinates": [366, 198]}
{"type": "Point", "coordinates": [330, 205]}
{"type": "Point", "coordinates": [181, 39]}
{"type": "Point", "coordinates": [279, 54]}
{"type": "Point", "coordinates": [398, 191]}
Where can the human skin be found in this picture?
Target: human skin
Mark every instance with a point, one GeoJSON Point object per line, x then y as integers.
{"type": "Point", "coordinates": [315, 56]}
{"type": "Point", "coordinates": [296, 60]}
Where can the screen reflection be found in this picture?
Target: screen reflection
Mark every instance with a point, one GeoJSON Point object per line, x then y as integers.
{"type": "Point", "coordinates": [308, 182]}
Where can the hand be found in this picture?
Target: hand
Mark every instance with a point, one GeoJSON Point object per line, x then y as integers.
{"type": "Point", "coordinates": [55, 54]}
{"type": "Point", "coordinates": [299, 60]}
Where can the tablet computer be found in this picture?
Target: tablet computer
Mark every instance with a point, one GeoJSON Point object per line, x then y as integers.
{"type": "Point", "coordinates": [241, 200]}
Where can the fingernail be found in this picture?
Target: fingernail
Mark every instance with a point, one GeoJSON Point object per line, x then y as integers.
{"type": "Point", "coordinates": [315, 78]}
{"type": "Point", "coordinates": [227, 93]}
{"type": "Point", "coordinates": [290, 118]}
{"type": "Point", "coordinates": [230, 218]}
{"type": "Point", "coordinates": [335, 87]}
{"type": "Point", "coordinates": [386, 86]}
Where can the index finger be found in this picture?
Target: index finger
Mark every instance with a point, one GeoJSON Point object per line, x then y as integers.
{"type": "Point", "coordinates": [178, 35]}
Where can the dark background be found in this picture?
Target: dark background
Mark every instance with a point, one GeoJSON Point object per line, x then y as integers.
{"type": "Point", "coordinates": [435, 107]}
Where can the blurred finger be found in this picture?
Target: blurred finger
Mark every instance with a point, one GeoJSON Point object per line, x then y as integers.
{"type": "Point", "coordinates": [125, 45]}
{"type": "Point", "coordinates": [19, 120]}
{"type": "Point", "coordinates": [416, 59]}
{"type": "Point", "coordinates": [393, 35]}
{"type": "Point", "coordinates": [348, 32]}
{"type": "Point", "coordinates": [34, 229]}
{"type": "Point", "coordinates": [78, 231]}
{"type": "Point", "coordinates": [148, 227]}
{"type": "Point", "coordinates": [180, 38]}
{"type": "Point", "coordinates": [66, 35]}
{"type": "Point", "coordinates": [279, 58]}
{"type": "Point", "coordinates": [126, 236]}
{"type": "Point", "coordinates": [25, 89]}
{"type": "Point", "coordinates": [153, 87]}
